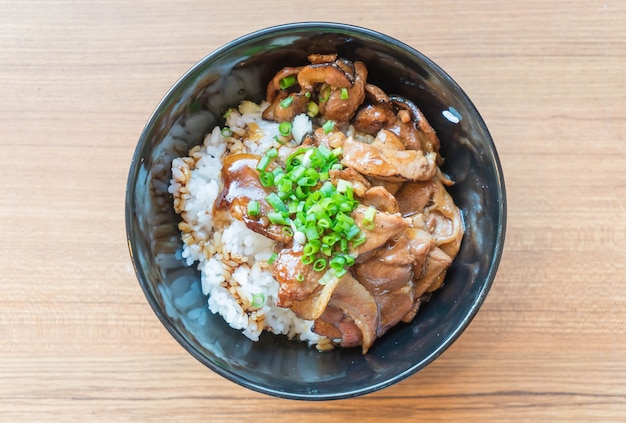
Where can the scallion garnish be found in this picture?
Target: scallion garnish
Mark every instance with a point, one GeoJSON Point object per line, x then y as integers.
{"type": "Point", "coordinates": [319, 264]}
{"type": "Point", "coordinates": [324, 94]}
{"type": "Point", "coordinates": [276, 218]}
{"type": "Point", "coordinates": [263, 163]}
{"type": "Point", "coordinates": [266, 178]}
{"type": "Point", "coordinates": [286, 102]}
{"type": "Point", "coordinates": [254, 208]}
{"type": "Point", "coordinates": [276, 202]}
{"type": "Point", "coordinates": [328, 126]}
{"type": "Point", "coordinates": [287, 82]}
{"type": "Point", "coordinates": [258, 300]}
{"type": "Point", "coordinates": [368, 218]}
{"type": "Point", "coordinates": [284, 128]}
{"type": "Point", "coordinates": [312, 109]}
{"type": "Point", "coordinates": [344, 94]}
{"type": "Point", "coordinates": [312, 210]}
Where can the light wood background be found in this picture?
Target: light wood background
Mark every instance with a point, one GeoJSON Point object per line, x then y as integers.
{"type": "Point", "coordinates": [78, 81]}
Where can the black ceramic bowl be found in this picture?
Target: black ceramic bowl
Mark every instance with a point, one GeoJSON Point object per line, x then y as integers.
{"type": "Point", "coordinates": [274, 365]}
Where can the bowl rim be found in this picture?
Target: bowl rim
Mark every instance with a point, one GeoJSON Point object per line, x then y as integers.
{"type": "Point", "coordinates": [329, 27]}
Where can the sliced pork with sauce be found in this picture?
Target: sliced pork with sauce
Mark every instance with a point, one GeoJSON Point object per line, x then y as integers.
{"type": "Point", "coordinates": [389, 156]}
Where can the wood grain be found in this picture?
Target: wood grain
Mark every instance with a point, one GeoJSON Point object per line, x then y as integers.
{"type": "Point", "coordinates": [79, 80]}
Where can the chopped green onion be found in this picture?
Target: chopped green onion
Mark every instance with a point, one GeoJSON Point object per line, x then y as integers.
{"type": "Point", "coordinates": [337, 262]}
{"type": "Point", "coordinates": [301, 192]}
{"type": "Point", "coordinates": [286, 102]}
{"type": "Point", "coordinates": [254, 208]}
{"type": "Point", "coordinates": [316, 210]}
{"type": "Point", "coordinates": [284, 128]}
{"type": "Point", "coordinates": [266, 179]}
{"type": "Point", "coordinates": [312, 109]}
{"type": "Point", "coordinates": [324, 94]}
{"type": "Point", "coordinates": [277, 218]}
{"type": "Point", "coordinates": [327, 189]}
{"type": "Point", "coordinates": [343, 245]}
{"type": "Point", "coordinates": [352, 232]}
{"type": "Point", "coordinates": [311, 233]}
{"type": "Point", "coordinates": [226, 131]}
{"type": "Point", "coordinates": [310, 208]}
{"type": "Point", "coordinates": [344, 94]}
{"type": "Point", "coordinates": [263, 163]}
{"type": "Point", "coordinates": [282, 183]}
{"type": "Point", "coordinates": [360, 239]}
{"type": "Point", "coordinates": [310, 249]}
{"type": "Point", "coordinates": [324, 151]}
{"type": "Point", "coordinates": [287, 82]}
{"type": "Point", "coordinates": [345, 219]}
{"type": "Point", "coordinates": [340, 272]}
{"type": "Point", "coordinates": [300, 277]}
{"type": "Point", "coordinates": [272, 258]}
{"type": "Point", "coordinates": [368, 218]}
{"type": "Point", "coordinates": [274, 200]}
{"type": "Point", "coordinates": [307, 181]}
{"type": "Point", "coordinates": [319, 264]}
{"type": "Point", "coordinates": [297, 172]}
{"type": "Point", "coordinates": [342, 185]}
{"type": "Point", "coordinates": [258, 300]}
{"type": "Point", "coordinates": [324, 222]}
{"type": "Point", "coordinates": [328, 126]}
{"type": "Point", "coordinates": [330, 239]}
{"type": "Point", "coordinates": [307, 94]}
{"type": "Point", "coordinates": [279, 174]}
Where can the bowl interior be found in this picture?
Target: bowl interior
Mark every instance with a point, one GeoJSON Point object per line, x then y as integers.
{"type": "Point", "coordinates": [275, 365]}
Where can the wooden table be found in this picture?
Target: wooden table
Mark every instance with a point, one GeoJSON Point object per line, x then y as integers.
{"type": "Point", "coordinates": [79, 79]}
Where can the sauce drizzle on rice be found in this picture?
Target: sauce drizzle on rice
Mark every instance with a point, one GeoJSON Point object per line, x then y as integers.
{"type": "Point", "coordinates": [251, 238]}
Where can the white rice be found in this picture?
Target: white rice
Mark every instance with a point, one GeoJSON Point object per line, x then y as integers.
{"type": "Point", "coordinates": [231, 258]}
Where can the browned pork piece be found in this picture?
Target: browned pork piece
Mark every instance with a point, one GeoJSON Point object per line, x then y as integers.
{"type": "Point", "coordinates": [386, 226]}
{"type": "Point", "coordinates": [287, 267]}
{"type": "Point", "coordinates": [358, 309]}
{"type": "Point", "coordinates": [381, 199]}
{"type": "Point", "coordinates": [390, 158]}
{"type": "Point", "coordinates": [432, 208]}
{"type": "Point", "coordinates": [388, 164]}
{"type": "Point", "coordinates": [242, 185]}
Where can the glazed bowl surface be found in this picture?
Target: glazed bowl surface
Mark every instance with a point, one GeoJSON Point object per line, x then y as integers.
{"type": "Point", "coordinates": [275, 365]}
